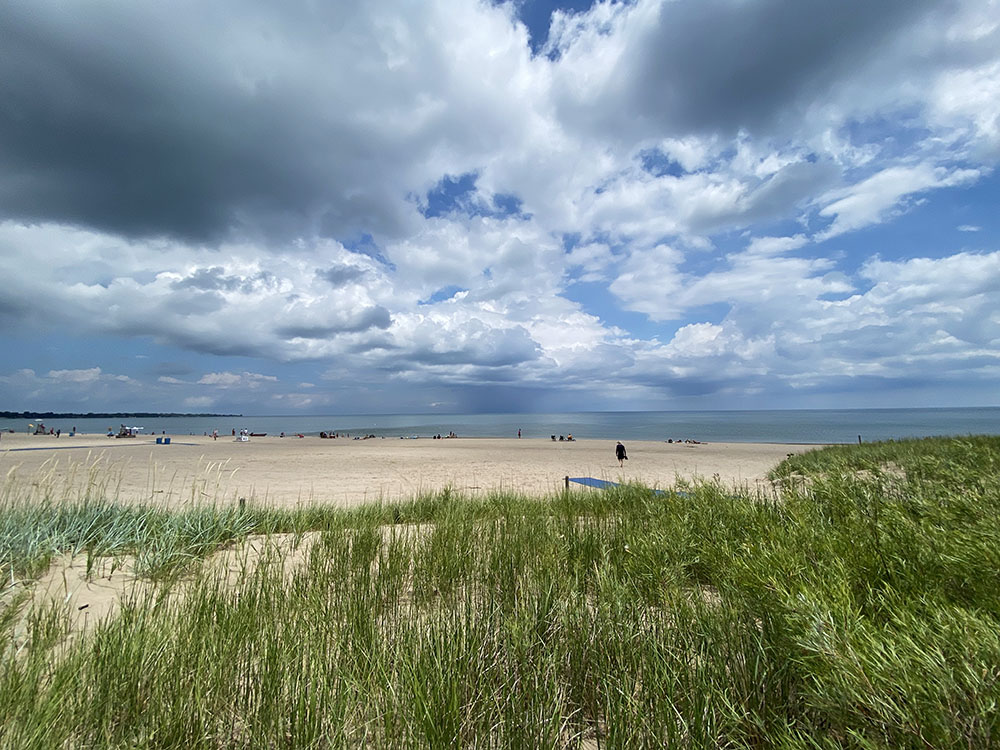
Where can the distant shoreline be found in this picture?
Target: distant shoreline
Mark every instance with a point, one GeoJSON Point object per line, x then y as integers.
{"type": "Point", "coordinates": [780, 427]}
{"type": "Point", "coordinates": [42, 415]}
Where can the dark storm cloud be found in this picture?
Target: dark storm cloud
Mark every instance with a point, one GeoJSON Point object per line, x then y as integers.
{"type": "Point", "coordinates": [341, 273]}
{"type": "Point", "coordinates": [866, 384]}
{"type": "Point", "coordinates": [370, 317]}
{"type": "Point", "coordinates": [773, 198]}
{"type": "Point", "coordinates": [677, 385]}
{"type": "Point", "coordinates": [203, 343]}
{"type": "Point", "coordinates": [790, 185]}
{"type": "Point", "coordinates": [110, 121]}
{"type": "Point", "coordinates": [196, 302]}
{"type": "Point", "coordinates": [14, 308]}
{"type": "Point", "coordinates": [719, 65]}
{"type": "Point", "coordinates": [495, 348]}
{"type": "Point", "coordinates": [208, 279]}
{"type": "Point", "coordinates": [503, 398]}
{"type": "Point", "coordinates": [172, 369]}
{"type": "Point", "coordinates": [214, 279]}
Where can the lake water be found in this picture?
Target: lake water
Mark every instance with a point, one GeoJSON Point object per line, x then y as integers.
{"type": "Point", "coordinates": [784, 426]}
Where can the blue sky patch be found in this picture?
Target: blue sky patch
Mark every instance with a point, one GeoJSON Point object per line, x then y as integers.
{"type": "Point", "coordinates": [365, 244]}
{"type": "Point", "coordinates": [442, 294]}
{"type": "Point", "coordinates": [659, 164]}
{"type": "Point", "coordinates": [458, 195]}
{"type": "Point", "coordinates": [536, 15]}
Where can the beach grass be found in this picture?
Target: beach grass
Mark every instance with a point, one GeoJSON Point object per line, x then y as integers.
{"type": "Point", "coordinates": [857, 606]}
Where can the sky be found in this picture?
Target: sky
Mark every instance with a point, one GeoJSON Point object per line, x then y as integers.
{"type": "Point", "coordinates": [472, 206]}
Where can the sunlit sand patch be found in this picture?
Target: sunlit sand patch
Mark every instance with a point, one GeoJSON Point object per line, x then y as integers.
{"type": "Point", "coordinates": [84, 590]}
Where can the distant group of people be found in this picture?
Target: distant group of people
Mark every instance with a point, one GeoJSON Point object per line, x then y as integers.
{"type": "Point", "coordinates": [620, 452]}
{"type": "Point", "coordinates": [40, 430]}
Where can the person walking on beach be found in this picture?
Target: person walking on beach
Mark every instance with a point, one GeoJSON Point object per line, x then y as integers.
{"type": "Point", "coordinates": [620, 453]}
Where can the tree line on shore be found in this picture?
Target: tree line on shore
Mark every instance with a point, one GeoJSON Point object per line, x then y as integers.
{"type": "Point", "coordinates": [42, 415]}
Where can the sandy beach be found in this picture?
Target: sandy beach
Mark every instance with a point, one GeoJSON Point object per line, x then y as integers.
{"type": "Point", "coordinates": [288, 471]}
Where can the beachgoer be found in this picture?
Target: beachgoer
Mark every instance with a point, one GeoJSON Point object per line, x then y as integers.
{"type": "Point", "coordinates": [518, 433]}
{"type": "Point", "coordinates": [620, 453]}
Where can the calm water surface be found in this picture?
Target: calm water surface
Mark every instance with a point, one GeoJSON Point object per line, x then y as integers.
{"type": "Point", "coordinates": [785, 426]}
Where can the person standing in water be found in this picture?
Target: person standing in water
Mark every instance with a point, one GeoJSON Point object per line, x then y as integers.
{"type": "Point", "coordinates": [620, 453]}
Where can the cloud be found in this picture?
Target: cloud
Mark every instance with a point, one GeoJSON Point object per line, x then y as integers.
{"type": "Point", "coordinates": [75, 376]}
{"type": "Point", "coordinates": [408, 199]}
{"type": "Point", "coordinates": [242, 304]}
{"type": "Point", "coordinates": [922, 321]}
{"type": "Point", "coordinates": [964, 99]}
{"type": "Point", "coordinates": [931, 320]}
{"type": "Point", "coordinates": [716, 66]}
{"type": "Point", "coordinates": [342, 273]}
{"type": "Point", "coordinates": [361, 320]}
{"type": "Point", "coordinates": [83, 389]}
{"type": "Point", "coordinates": [867, 202]}
{"type": "Point", "coordinates": [200, 123]}
{"type": "Point", "coordinates": [775, 245]}
{"type": "Point", "coordinates": [236, 380]}
{"type": "Point", "coordinates": [198, 402]}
